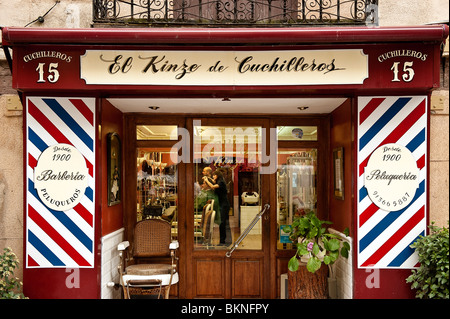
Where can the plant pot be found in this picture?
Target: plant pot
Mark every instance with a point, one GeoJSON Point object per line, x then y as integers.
{"type": "Point", "coordinates": [303, 284]}
{"type": "Point", "coordinates": [332, 288]}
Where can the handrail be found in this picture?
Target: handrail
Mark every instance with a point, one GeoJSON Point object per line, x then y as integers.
{"type": "Point", "coordinates": [247, 230]}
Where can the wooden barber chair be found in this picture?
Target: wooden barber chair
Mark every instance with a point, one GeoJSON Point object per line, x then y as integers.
{"type": "Point", "coordinates": [139, 276]}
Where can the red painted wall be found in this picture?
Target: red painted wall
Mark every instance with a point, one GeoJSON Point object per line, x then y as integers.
{"type": "Point", "coordinates": [66, 283]}
{"type": "Point", "coordinates": [62, 283]}
{"type": "Point", "coordinates": [341, 211]}
{"type": "Point", "coordinates": [84, 283]}
{"type": "Point", "coordinates": [374, 283]}
{"type": "Point", "coordinates": [112, 121]}
{"type": "Point", "coordinates": [367, 283]}
{"type": "Point", "coordinates": [381, 283]}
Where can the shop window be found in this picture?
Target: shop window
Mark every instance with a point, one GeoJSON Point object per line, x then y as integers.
{"type": "Point", "coordinates": [157, 185]}
{"type": "Point", "coordinates": [296, 189]}
{"type": "Point", "coordinates": [157, 132]}
{"type": "Point", "coordinates": [297, 133]}
{"type": "Point", "coordinates": [234, 192]}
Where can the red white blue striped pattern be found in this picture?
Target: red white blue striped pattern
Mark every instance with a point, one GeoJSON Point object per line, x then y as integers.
{"type": "Point", "coordinates": [55, 238]}
{"type": "Point", "coordinates": [384, 237]}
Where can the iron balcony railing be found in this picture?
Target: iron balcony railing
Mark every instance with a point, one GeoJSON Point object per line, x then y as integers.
{"type": "Point", "coordinates": [235, 12]}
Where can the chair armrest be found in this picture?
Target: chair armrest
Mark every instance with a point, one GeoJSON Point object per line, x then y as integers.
{"type": "Point", "coordinates": [174, 245]}
{"type": "Point", "coordinates": [123, 245]}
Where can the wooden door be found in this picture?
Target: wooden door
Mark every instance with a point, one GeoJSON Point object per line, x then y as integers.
{"type": "Point", "coordinates": [254, 269]}
{"type": "Point", "coordinates": [210, 273]}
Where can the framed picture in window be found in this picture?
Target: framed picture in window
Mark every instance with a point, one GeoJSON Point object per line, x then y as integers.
{"type": "Point", "coordinates": [114, 168]}
{"type": "Point", "coordinates": [338, 164]}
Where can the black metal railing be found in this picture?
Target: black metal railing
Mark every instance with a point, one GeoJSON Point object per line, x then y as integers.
{"type": "Point", "coordinates": [236, 12]}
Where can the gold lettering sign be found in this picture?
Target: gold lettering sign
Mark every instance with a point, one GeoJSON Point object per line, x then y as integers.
{"type": "Point", "coordinates": [229, 68]}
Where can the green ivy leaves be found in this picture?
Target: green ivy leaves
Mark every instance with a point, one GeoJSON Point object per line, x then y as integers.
{"type": "Point", "coordinates": [9, 284]}
{"type": "Point", "coordinates": [432, 277]}
{"type": "Point", "coordinates": [316, 243]}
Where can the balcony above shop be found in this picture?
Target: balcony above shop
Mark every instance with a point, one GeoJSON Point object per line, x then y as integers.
{"type": "Point", "coordinates": [234, 13]}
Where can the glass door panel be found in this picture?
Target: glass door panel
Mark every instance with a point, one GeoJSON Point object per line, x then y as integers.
{"type": "Point", "coordinates": [296, 189]}
{"type": "Point", "coordinates": [157, 185]}
{"type": "Point", "coordinates": [226, 175]}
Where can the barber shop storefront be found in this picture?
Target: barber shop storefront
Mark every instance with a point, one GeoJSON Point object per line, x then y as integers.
{"type": "Point", "coordinates": [225, 135]}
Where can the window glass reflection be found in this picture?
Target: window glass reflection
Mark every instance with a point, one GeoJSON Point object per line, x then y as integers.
{"type": "Point", "coordinates": [157, 132]}
{"type": "Point", "coordinates": [227, 186]}
{"type": "Point", "coordinates": [296, 189]}
{"type": "Point", "coordinates": [157, 186]}
{"type": "Point", "coordinates": [297, 133]}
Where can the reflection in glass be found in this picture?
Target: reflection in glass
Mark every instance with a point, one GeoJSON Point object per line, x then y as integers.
{"type": "Point", "coordinates": [297, 133]}
{"type": "Point", "coordinates": [157, 186]}
{"type": "Point", "coordinates": [226, 186]}
{"type": "Point", "coordinates": [157, 132]}
{"type": "Point", "coordinates": [296, 189]}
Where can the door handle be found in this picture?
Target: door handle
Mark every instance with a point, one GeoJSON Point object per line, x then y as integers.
{"type": "Point", "coordinates": [247, 230]}
{"type": "Point", "coordinates": [267, 216]}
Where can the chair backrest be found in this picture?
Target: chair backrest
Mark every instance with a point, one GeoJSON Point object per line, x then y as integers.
{"type": "Point", "coordinates": [208, 206]}
{"type": "Point", "coordinates": [211, 224]}
{"type": "Point", "coordinates": [152, 238]}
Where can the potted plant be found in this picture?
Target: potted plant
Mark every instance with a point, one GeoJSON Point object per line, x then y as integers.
{"type": "Point", "coordinates": [10, 286]}
{"type": "Point", "coordinates": [432, 277]}
{"type": "Point", "coordinates": [315, 245]}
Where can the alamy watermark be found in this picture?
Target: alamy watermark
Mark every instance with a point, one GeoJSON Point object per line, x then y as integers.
{"type": "Point", "coordinates": [233, 145]}
{"type": "Point", "coordinates": [73, 279]}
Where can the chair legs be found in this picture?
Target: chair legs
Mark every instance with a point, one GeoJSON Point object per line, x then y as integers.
{"type": "Point", "coordinates": [146, 291]}
{"type": "Point", "coordinates": [145, 288]}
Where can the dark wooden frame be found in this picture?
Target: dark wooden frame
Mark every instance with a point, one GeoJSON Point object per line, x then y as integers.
{"type": "Point", "coordinates": [113, 142]}
{"type": "Point", "coordinates": [131, 145]}
{"type": "Point", "coordinates": [280, 262]}
{"type": "Point", "coordinates": [338, 172]}
{"type": "Point", "coordinates": [267, 264]}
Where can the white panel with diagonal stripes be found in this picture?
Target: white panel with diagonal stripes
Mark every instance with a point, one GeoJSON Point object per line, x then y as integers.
{"type": "Point", "coordinates": [384, 237]}
{"type": "Point", "coordinates": [60, 239]}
